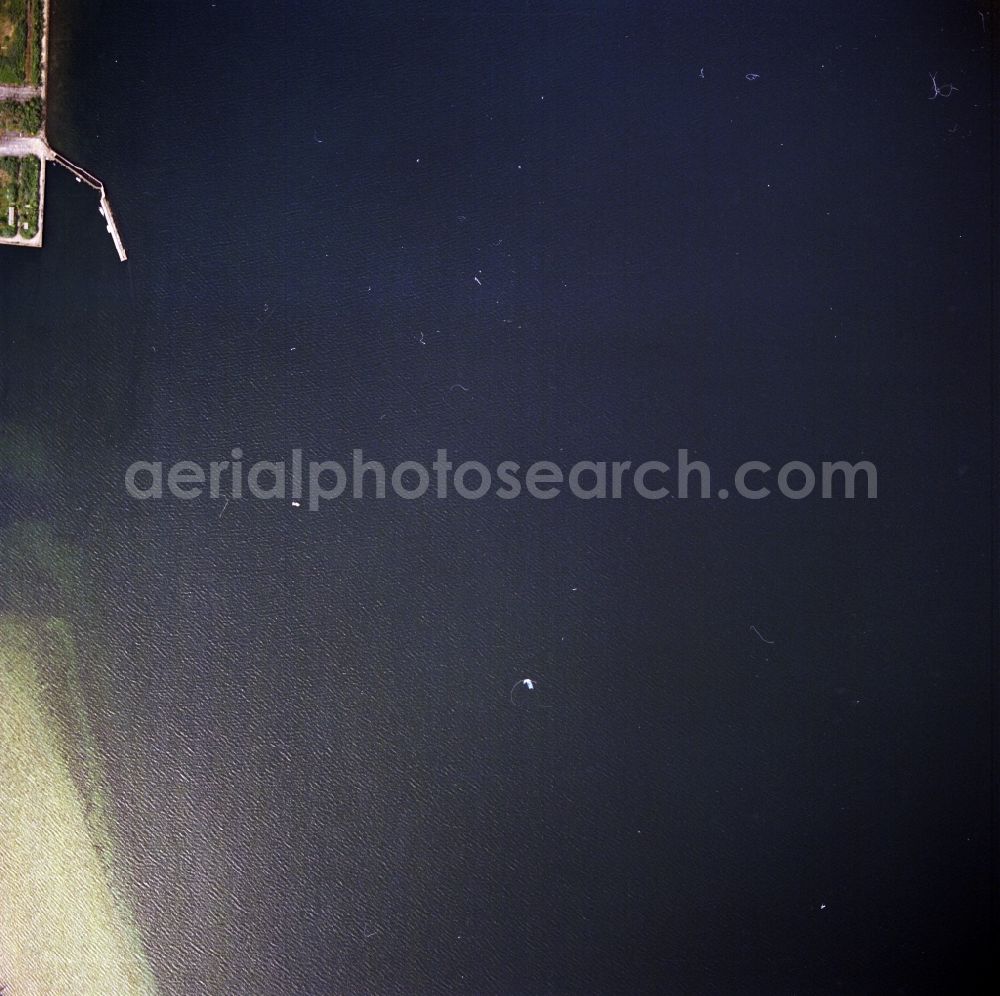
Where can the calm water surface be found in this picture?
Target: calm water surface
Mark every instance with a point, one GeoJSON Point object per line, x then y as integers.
{"type": "Point", "coordinates": [322, 784]}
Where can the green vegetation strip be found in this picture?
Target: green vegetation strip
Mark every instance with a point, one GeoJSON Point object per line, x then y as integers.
{"type": "Point", "coordinates": [10, 171]}
{"type": "Point", "coordinates": [35, 66]}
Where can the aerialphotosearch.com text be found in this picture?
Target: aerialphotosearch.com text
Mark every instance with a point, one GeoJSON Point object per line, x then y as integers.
{"type": "Point", "coordinates": [312, 483]}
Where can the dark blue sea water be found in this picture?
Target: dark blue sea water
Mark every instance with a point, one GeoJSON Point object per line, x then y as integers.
{"type": "Point", "coordinates": [321, 781]}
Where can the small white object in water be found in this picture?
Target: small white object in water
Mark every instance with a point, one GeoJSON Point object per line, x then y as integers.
{"type": "Point", "coordinates": [525, 694]}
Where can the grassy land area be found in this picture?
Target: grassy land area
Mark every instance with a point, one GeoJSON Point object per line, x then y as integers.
{"type": "Point", "coordinates": [19, 188]}
{"type": "Point", "coordinates": [23, 116]}
{"type": "Point", "coordinates": [20, 41]}
{"type": "Point", "coordinates": [28, 195]}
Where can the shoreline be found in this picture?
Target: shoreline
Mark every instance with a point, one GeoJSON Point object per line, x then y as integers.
{"type": "Point", "coordinates": [19, 145]}
{"type": "Point", "coordinates": [11, 143]}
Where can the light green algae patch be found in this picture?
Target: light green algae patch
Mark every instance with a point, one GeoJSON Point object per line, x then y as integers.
{"type": "Point", "coordinates": [63, 927]}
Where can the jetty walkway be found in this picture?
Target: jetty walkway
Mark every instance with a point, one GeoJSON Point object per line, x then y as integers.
{"type": "Point", "coordinates": [82, 176]}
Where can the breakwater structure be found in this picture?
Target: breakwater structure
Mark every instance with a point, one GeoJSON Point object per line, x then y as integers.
{"type": "Point", "coordinates": [24, 147]}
